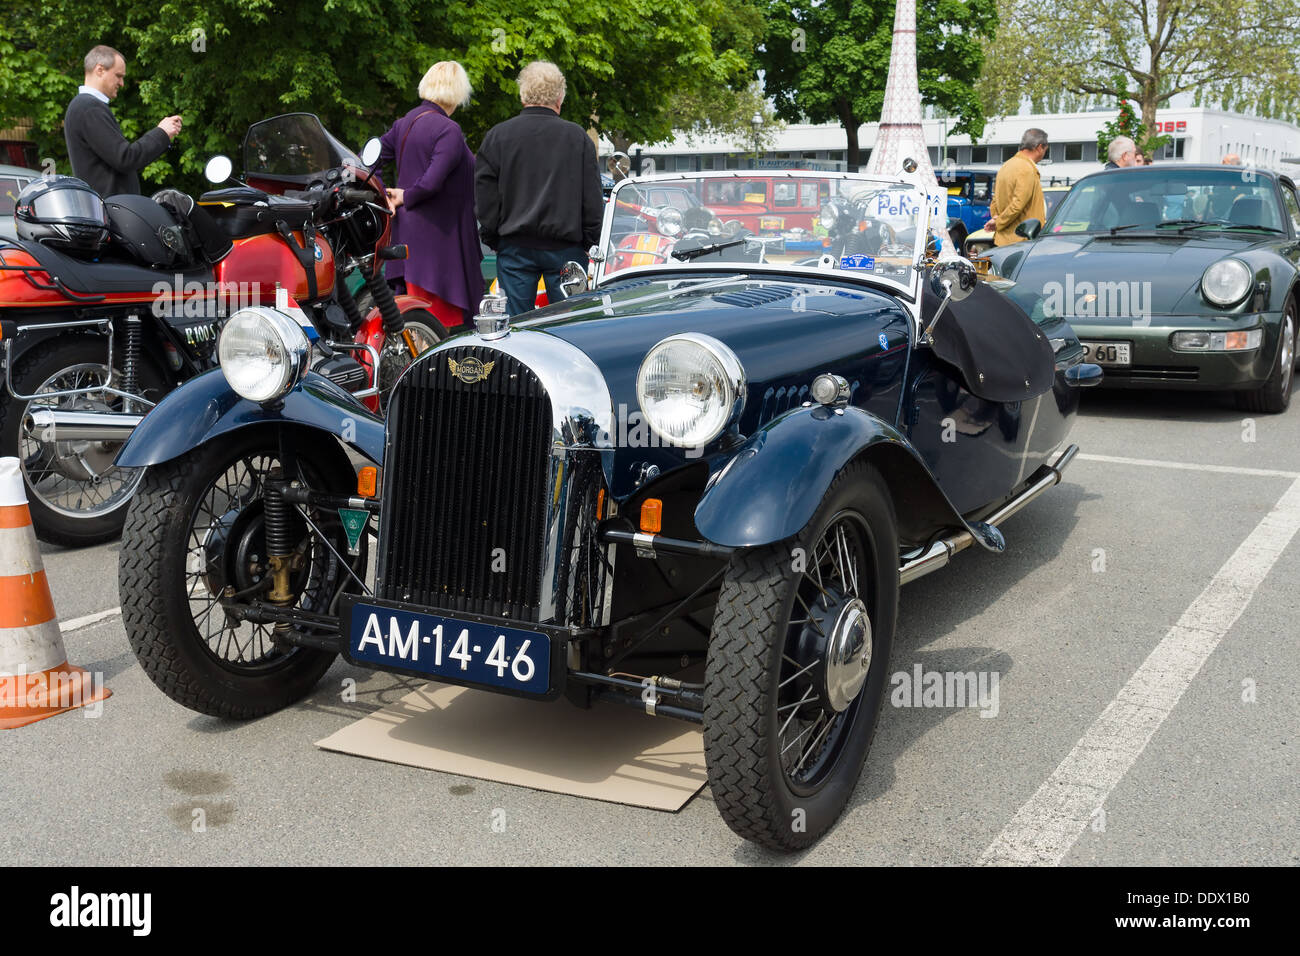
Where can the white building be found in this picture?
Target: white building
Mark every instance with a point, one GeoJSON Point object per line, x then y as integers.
{"type": "Point", "coordinates": [1200, 135]}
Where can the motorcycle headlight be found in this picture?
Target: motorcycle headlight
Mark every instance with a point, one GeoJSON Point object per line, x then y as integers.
{"type": "Point", "coordinates": [829, 215]}
{"type": "Point", "coordinates": [1226, 282]}
{"type": "Point", "coordinates": [262, 352]}
{"type": "Point", "coordinates": [690, 386]}
{"type": "Point", "coordinates": [670, 221]}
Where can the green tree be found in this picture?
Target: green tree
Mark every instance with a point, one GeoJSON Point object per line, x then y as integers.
{"type": "Point", "coordinates": [1239, 53]}
{"type": "Point", "coordinates": [635, 69]}
{"type": "Point", "coordinates": [1128, 124]}
{"type": "Point", "coordinates": [828, 60]}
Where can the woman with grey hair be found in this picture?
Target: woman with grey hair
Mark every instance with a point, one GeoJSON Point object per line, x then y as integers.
{"type": "Point", "coordinates": [434, 199]}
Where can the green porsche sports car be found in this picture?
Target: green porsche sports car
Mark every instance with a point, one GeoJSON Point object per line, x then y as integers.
{"type": "Point", "coordinates": [1173, 276]}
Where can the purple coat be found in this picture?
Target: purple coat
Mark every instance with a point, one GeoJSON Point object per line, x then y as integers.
{"type": "Point", "coordinates": [436, 218]}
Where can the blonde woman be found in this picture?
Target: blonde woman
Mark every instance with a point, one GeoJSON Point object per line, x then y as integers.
{"type": "Point", "coordinates": [434, 199]}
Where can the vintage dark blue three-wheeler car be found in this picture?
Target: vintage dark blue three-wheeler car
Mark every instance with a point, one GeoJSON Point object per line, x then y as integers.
{"type": "Point", "coordinates": [693, 488]}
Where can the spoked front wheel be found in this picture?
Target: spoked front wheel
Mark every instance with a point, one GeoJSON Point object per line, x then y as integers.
{"type": "Point", "coordinates": [197, 527]}
{"type": "Point", "coordinates": [797, 666]}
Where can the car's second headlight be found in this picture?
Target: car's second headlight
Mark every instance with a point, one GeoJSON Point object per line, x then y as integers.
{"type": "Point", "coordinates": [690, 387]}
{"type": "Point", "coordinates": [1226, 282]}
{"type": "Point", "coordinates": [262, 353]}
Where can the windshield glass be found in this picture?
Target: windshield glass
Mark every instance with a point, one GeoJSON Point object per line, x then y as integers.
{"type": "Point", "coordinates": [852, 224]}
{"type": "Point", "coordinates": [1142, 198]}
{"type": "Point", "coordinates": [294, 145]}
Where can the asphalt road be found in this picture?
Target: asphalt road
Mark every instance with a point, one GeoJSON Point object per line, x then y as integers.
{"type": "Point", "coordinates": [1141, 626]}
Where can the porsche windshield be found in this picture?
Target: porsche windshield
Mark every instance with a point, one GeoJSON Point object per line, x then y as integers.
{"type": "Point", "coordinates": [857, 225]}
{"type": "Point", "coordinates": [1171, 199]}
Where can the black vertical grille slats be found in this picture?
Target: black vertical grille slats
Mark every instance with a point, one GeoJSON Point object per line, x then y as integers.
{"type": "Point", "coordinates": [467, 472]}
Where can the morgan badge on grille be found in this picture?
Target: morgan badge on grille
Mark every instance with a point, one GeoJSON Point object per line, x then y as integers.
{"type": "Point", "coordinates": [470, 370]}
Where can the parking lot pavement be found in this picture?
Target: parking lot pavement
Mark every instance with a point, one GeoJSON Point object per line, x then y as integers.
{"type": "Point", "coordinates": [1080, 614]}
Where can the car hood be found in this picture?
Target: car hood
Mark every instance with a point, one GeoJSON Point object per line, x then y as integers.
{"type": "Point", "coordinates": [784, 330]}
{"type": "Point", "coordinates": [1161, 275]}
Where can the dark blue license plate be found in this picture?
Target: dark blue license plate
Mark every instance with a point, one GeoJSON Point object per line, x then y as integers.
{"type": "Point", "coordinates": [470, 652]}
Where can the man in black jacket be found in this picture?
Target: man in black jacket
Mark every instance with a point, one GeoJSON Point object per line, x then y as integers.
{"type": "Point", "coordinates": [100, 154]}
{"type": "Point", "coordinates": [537, 190]}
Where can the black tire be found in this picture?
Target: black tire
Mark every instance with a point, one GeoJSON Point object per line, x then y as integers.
{"type": "Point", "coordinates": [160, 544]}
{"type": "Point", "coordinates": [1274, 396]}
{"type": "Point", "coordinates": [70, 505]}
{"type": "Point", "coordinates": [749, 657]}
{"type": "Point", "coordinates": [395, 356]}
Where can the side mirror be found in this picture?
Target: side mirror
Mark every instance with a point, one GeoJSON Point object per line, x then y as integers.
{"type": "Point", "coordinates": [370, 152]}
{"type": "Point", "coordinates": [953, 278]}
{"type": "Point", "coordinates": [218, 169]}
{"type": "Point", "coordinates": [909, 165]}
{"type": "Point", "coordinates": [1030, 228]}
{"type": "Point", "coordinates": [573, 278]}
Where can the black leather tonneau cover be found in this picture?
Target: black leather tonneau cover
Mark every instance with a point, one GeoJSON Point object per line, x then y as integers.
{"type": "Point", "coordinates": [111, 276]}
{"type": "Point", "coordinates": [1002, 355]}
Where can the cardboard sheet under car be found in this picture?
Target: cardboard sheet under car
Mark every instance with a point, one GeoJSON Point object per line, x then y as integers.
{"type": "Point", "coordinates": [609, 753]}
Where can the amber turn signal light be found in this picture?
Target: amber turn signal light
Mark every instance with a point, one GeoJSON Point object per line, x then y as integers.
{"type": "Point", "coordinates": [652, 516]}
{"type": "Point", "coordinates": [367, 480]}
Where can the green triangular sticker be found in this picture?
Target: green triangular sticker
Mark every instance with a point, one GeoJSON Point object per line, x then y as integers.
{"type": "Point", "coordinates": [354, 522]}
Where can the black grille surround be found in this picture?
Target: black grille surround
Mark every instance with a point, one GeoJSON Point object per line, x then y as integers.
{"type": "Point", "coordinates": [466, 475]}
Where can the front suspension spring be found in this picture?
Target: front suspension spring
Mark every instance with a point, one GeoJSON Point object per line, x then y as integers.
{"type": "Point", "coordinates": [278, 530]}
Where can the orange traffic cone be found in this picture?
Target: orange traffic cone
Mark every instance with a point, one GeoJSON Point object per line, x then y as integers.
{"type": "Point", "coordinates": [36, 680]}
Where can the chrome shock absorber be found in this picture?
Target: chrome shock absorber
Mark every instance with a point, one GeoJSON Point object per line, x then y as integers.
{"type": "Point", "coordinates": [278, 529]}
{"type": "Point", "coordinates": [131, 357]}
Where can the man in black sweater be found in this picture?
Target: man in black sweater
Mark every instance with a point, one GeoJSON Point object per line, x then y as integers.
{"type": "Point", "coordinates": [100, 154]}
{"type": "Point", "coordinates": [537, 190]}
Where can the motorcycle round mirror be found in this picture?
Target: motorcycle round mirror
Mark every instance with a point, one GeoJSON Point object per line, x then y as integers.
{"type": "Point", "coordinates": [370, 152]}
{"type": "Point", "coordinates": [620, 165]}
{"type": "Point", "coordinates": [955, 277]}
{"type": "Point", "coordinates": [218, 169]}
{"type": "Point", "coordinates": [909, 165]}
{"type": "Point", "coordinates": [573, 278]}
{"type": "Point", "coordinates": [1030, 228]}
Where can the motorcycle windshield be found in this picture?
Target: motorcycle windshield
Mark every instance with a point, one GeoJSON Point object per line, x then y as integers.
{"type": "Point", "coordinates": [867, 227]}
{"type": "Point", "coordinates": [293, 146]}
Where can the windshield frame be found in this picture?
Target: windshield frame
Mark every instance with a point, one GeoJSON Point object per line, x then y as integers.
{"type": "Point", "coordinates": [909, 290]}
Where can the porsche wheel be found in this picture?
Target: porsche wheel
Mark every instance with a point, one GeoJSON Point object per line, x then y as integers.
{"type": "Point", "coordinates": [797, 666]}
{"type": "Point", "coordinates": [1274, 396]}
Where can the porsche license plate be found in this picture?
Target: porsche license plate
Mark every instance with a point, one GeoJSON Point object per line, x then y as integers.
{"type": "Point", "coordinates": [470, 652]}
{"type": "Point", "coordinates": [1107, 353]}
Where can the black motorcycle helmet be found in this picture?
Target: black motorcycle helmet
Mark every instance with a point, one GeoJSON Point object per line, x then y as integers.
{"type": "Point", "coordinates": [61, 211]}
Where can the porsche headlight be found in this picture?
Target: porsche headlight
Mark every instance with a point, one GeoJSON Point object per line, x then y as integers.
{"type": "Point", "coordinates": [690, 387]}
{"type": "Point", "coordinates": [262, 352]}
{"type": "Point", "coordinates": [1226, 282]}
{"type": "Point", "coordinates": [670, 221]}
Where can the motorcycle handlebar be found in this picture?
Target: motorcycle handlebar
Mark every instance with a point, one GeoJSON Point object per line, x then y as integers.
{"type": "Point", "coordinates": [357, 195]}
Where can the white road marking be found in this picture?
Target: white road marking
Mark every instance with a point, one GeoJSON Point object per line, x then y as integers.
{"type": "Point", "coordinates": [1047, 826]}
{"type": "Point", "coordinates": [77, 623]}
{"type": "Point", "coordinates": [1190, 466]}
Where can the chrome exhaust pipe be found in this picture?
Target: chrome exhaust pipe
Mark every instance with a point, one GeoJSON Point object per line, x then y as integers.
{"type": "Point", "coordinates": [61, 424]}
{"type": "Point", "coordinates": [940, 553]}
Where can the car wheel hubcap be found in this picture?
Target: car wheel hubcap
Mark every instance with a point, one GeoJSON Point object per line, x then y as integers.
{"type": "Point", "coordinates": [848, 655]}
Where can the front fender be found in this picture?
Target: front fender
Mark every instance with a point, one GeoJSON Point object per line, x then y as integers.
{"type": "Point", "coordinates": [206, 407]}
{"type": "Point", "coordinates": [771, 487]}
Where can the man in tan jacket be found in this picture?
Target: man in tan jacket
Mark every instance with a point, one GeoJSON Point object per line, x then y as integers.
{"type": "Point", "coordinates": [1018, 193]}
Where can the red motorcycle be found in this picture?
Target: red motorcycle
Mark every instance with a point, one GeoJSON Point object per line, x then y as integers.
{"type": "Point", "coordinates": [105, 306]}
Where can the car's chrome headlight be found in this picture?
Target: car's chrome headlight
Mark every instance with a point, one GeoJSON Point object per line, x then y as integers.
{"type": "Point", "coordinates": [715, 226]}
{"type": "Point", "coordinates": [690, 387]}
{"type": "Point", "coordinates": [670, 221]}
{"type": "Point", "coordinates": [1226, 282]}
{"type": "Point", "coordinates": [262, 352]}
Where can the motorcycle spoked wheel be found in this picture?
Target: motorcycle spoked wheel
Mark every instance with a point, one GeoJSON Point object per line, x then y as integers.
{"type": "Point", "coordinates": [427, 332]}
{"type": "Point", "coordinates": [76, 495]}
{"type": "Point", "coordinates": [196, 526]}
